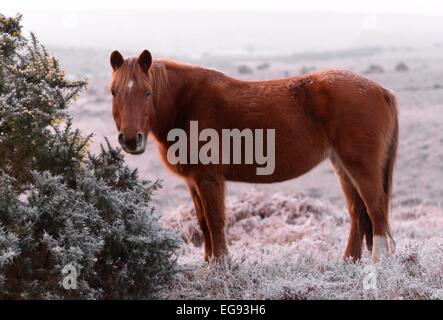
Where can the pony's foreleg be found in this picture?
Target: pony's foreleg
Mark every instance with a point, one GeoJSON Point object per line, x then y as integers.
{"type": "Point", "coordinates": [211, 192]}
{"type": "Point", "coordinates": [201, 220]}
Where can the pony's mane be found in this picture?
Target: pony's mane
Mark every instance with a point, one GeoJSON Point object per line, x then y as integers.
{"type": "Point", "coordinates": [156, 77]}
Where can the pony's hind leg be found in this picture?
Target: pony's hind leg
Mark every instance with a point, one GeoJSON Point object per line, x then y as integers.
{"type": "Point", "coordinates": [367, 175]}
{"type": "Point", "coordinates": [361, 225]}
{"type": "Point", "coordinates": [198, 206]}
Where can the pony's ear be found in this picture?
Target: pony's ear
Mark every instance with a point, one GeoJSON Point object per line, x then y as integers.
{"type": "Point", "coordinates": [145, 60]}
{"type": "Point", "coordinates": [116, 60]}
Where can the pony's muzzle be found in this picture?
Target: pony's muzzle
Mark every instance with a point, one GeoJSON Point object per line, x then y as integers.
{"type": "Point", "coordinates": [133, 145]}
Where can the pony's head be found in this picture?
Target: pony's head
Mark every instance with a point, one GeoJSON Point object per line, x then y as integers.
{"type": "Point", "coordinates": [133, 86]}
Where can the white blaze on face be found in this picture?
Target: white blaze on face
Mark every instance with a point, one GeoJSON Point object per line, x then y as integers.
{"type": "Point", "coordinates": [130, 84]}
{"type": "Point", "coordinates": [380, 248]}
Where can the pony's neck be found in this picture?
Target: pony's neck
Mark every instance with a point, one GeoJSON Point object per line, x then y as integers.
{"type": "Point", "coordinates": [176, 97]}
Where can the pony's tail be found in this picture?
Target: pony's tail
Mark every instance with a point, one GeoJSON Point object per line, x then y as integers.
{"type": "Point", "coordinates": [391, 155]}
{"type": "Point", "coordinates": [366, 225]}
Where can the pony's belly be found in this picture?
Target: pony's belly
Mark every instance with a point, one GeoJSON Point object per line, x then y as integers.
{"type": "Point", "coordinates": [286, 165]}
{"type": "Point", "coordinates": [281, 173]}
{"type": "Point", "coordinates": [247, 173]}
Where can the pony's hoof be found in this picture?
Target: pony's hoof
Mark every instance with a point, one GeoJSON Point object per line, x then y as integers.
{"type": "Point", "coordinates": [380, 249]}
{"type": "Point", "coordinates": [223, 260]}
{"type": "Point", "coordinates": [207, 257]}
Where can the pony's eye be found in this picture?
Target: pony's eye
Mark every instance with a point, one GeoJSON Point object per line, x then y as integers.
{"type": "Point", "coordinates": [113, 92]}
{"type": "Point", "coordinates": [147, 93]}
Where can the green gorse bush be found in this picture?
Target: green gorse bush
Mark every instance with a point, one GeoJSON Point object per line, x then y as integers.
{"type": "Point", "coordinates": [65, 212]}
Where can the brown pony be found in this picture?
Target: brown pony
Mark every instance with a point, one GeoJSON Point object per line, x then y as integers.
{"type": "Point", "coordinates": [333, 114]}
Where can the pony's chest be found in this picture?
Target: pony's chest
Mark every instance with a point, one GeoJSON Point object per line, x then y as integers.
{"type": "Point", "coordinates": [173, 164]}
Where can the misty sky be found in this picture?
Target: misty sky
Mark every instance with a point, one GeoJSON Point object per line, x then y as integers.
{"type": "Point", "coordinates": [405, 6]}
{"type": "Point", "coordinates": [199, 26]}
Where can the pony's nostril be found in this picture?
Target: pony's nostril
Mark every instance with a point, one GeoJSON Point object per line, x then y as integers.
{"type": "Point", "coordinates": [121, 138]}
{"type": "Point", "coordinates": [139, 138]}
{"type": "Point", "coordinates": [132, 143]}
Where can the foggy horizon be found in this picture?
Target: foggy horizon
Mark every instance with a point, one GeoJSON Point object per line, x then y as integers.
{"type": "Point", "coordinates": [197, 32]}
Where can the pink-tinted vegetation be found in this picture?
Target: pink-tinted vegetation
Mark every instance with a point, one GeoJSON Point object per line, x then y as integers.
{"type": "Point", "coordinates": [290, 247]}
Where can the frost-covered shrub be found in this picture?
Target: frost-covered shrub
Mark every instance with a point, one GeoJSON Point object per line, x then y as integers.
{"type": "Point", "coordinates": [401, 67]}
{"type": "Point", "coordinates": [374, 68]}
{"type": "Point", "coordinates": [263, 66]}
{"type": "Point", "coordinates": [60, 206]}
{"type": "Point", "coordinates": [244, 69]}
{"type": "Point", "coordinates": [306, 69]}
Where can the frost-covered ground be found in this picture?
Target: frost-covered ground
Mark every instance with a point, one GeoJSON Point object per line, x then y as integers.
{"type": "Point", "coordinates": [290, 247]}
{"type": "Point", "coordinates": [287, 239]}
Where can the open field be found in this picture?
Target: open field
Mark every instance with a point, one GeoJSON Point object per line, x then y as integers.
{"type": "Point", "coordinates": [286, 239]}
